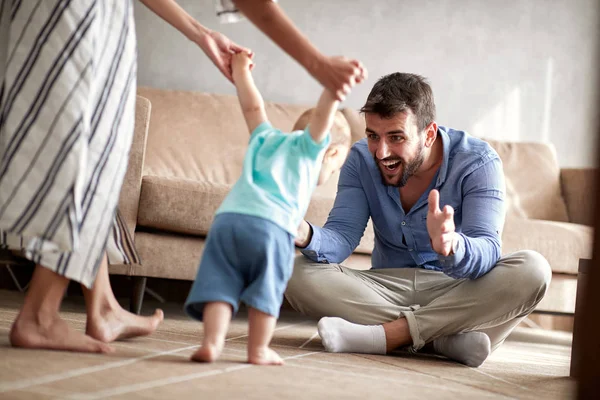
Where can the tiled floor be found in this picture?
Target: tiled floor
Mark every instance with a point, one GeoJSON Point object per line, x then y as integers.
{"type": "Point", "coordinates": [530, 365]}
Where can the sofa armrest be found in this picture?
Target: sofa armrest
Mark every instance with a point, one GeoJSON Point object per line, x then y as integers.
{"type": "Point", "coordinates": [578, 189]}
{"type": "Point", "coordinates": [132, 183]}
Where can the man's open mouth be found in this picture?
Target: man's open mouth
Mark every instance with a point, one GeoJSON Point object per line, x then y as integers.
{"type": "Point", "coordinates": [390, 165]}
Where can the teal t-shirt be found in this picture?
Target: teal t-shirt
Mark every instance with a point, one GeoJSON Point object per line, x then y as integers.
{"type": "Point", "coordinates": [279, 174]}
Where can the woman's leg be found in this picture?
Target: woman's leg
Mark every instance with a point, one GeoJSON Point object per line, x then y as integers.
{"type": "Point", "coordinates": [39, 326]}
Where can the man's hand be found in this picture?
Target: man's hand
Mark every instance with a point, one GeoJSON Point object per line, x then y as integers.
{"type": "Point", "coordinates": [304, 235]}
{"type": "Point", "coordinates": [339, 74]}
{"type": "Point", "coordinates": [440, 225]}
{"type": "Point", "coordinates": [221, 50]}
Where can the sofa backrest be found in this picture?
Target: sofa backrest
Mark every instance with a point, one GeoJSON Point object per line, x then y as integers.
{"type": "Point", "coordinates": [201, 136]}
{"type": "Point", "coordinates": [532, 180]}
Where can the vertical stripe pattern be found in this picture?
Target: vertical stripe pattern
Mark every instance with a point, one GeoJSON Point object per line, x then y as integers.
{"type": "Point", "coordinates": [67, 98]}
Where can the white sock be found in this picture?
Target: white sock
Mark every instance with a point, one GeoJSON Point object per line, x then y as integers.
{"type": "Point", "coordinates": [469, 348]}
{"type": "Point", "coordinates": [341, 336]}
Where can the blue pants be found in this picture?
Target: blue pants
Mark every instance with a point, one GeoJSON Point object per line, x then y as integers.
{"type": "Point", "coordinates": [245, 258]}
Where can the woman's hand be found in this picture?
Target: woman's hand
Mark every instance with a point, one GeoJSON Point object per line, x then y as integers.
{"type": "Point", "coordinates": [339, 74]}
{"type": "Point", "coordinates": [220, 49]}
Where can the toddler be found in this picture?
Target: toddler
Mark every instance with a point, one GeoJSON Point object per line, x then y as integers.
{"type": "Point", "coordinates": [249, 250]}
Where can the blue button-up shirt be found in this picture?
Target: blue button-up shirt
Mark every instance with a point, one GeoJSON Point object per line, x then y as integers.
{"type": "Point", "coordinates": [470, 179]}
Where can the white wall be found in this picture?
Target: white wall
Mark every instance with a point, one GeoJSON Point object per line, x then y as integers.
{"type": "Point", "coordinates": [513, 69]}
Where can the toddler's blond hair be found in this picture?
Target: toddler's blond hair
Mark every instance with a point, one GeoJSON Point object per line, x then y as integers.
{"type": "Point", "coordinates": [340, 130]}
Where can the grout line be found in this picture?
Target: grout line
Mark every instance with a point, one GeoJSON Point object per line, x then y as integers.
{"type": "Point", "coordinates": [63, 318]}
{"type": "Point", "coordinates": [231, 352]}
{"type": "Point", "coordinates": [166, 341]}
{"type": "Point", "coordinates": [479, 371]}
{"type": "Point", "coordinates": [125, 345]}
{"type": "Point", "coordinates": [167, 381]}
{"type": "Point", "coordinates": [283, 346]}
{"type": "Point", "coordinates": [443, 387]}
{"type": "Point", "coordinates": [157, 383]}
{"type": "Point", "coordinates": [309, 340]}
{"type": "Point", "coordinates": [274, 330]}
{"type": "Point", "coordinates": [25, 383]}
{"type": "Point", "coordinates": [386, 370]}
{"type": "Point", "coordinates": [302, 355]}
{"type": "Point", "coordinates": [229, 339]}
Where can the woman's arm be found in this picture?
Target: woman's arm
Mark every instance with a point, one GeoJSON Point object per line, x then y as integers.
{"type": "Point", "coordinates": [337, 74]}
{"type": "Point", "coordinates": [214, 44]}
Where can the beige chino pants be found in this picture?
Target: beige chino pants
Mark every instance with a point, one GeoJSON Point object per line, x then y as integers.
{"type": "Point", "coordinates": [433, 304]}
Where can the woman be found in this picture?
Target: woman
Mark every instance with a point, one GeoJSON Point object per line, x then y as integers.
{"type": "Point", "coordinates": [68, 75]}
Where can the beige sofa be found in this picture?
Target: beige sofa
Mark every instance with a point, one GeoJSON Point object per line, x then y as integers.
{"type": "Point", "coordinates": [188, 151]}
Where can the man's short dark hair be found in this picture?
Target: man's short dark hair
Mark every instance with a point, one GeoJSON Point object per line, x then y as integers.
{"type": "Point", "coordinates": [399, 92]}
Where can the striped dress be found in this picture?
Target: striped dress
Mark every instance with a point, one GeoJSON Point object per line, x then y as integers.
{"type": "Point", "coordinates": [67, 103]}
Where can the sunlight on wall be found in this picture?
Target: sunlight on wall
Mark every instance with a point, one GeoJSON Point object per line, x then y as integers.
{"type": "Point", "coordinates": [503, 122]}
{"type": "Point", "coordinates": [547, 100]}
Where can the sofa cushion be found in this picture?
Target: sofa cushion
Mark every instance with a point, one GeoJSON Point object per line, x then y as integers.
{"type": "Point", "coordinates": [176, 256]}
{"type": "Point", "coordinates": [179, 205]}
{"type": "Point", "coordinates": [563, 244]}
{"type": "Point", "coordinates": [188, 206]}
{"type": "Point", "coordinates": [532, 180]}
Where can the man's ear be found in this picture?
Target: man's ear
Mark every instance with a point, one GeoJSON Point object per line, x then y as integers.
{"type": "Point", "coordinates": [430, 134]}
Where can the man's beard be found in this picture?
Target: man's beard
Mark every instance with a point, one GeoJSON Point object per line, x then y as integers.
{"type": "Point", "coordinates": [408, 169]}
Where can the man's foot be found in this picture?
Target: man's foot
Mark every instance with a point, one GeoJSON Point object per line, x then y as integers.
{"type": "Point", "coordinates": [264, 356]}
{"type": "Point", "coordinates": [116, 323]}
{"type": "Point", "coordinates": [207, 353]}
{"type": "Point", "coordinates": [469, 348]}
{"type": "Point", "coordinates": [341, 336]}
{"type": "Point", "coordinates": [52, 333]}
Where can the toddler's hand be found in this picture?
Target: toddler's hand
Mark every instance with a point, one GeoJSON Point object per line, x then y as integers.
{"type": "Point", "coordinates": [339, 75]}
{"type": "Point", "coordinates": [241, 61]}
{"type": "Point", "coordinates": [220, 49]}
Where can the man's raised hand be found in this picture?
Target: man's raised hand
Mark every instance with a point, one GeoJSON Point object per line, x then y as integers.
{"type": "Point", "coordinates": [440, 225]}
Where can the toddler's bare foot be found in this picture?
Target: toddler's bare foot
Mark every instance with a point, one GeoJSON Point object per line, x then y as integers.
{"type": "Point", "coordinates": [207, 353]}
{"type": "Point", "coordinates": [264, 356]}
{"type": "Point", "coordinates": [116, 323]}
{"type": "Point", "coordinates": [53, 333]}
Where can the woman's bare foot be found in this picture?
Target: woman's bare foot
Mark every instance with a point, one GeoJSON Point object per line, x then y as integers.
{"type": "Point", "coordinates": [264, 356]}
{"type": "Point", "coordinates": [106, 319]}
{"type": "Point", "coordinates": [115, 323]}
{"type": "Point", "coordinates": [53, 333]}
{"type": "Point", "coordinates": [207, 353]}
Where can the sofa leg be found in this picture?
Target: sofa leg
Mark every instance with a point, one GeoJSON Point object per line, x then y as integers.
{"type": "Point", "coordinates": [137, 294]}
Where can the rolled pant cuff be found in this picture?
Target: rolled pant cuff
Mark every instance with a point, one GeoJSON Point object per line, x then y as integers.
{"type": "Point", "coordinates": [413, 327]}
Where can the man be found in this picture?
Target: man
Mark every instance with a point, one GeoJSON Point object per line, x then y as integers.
{"type": "Point", "coordinates": [437, 277]}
